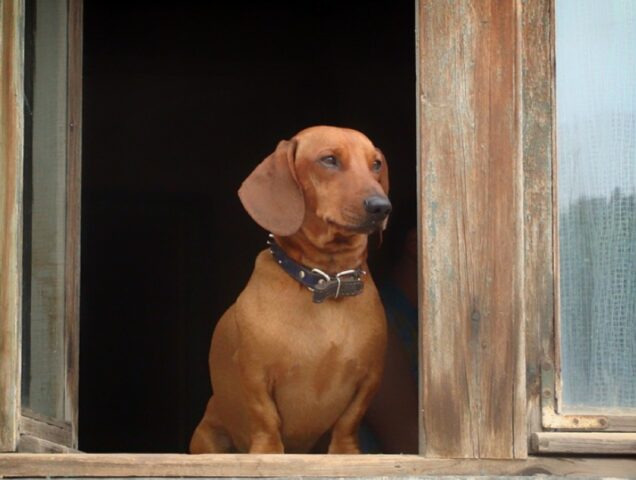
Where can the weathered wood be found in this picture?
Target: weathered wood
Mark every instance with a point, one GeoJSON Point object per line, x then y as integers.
{"type": "Point", "coordinates": [44, 428]}
{"type": "Point", "coordinates": [73, 212]}
{"type": "Point", "coordinates": [537, 149]}
{"type": "Point", "coordinates": [420, 269]}
{"type": "Point", "coordinates": [584, 443]}
{"type": "Point", "coordinates": [11, 135]}
{"type": "Point", "coordinates": [473, 361]}
{"type": "Point", "coordinates": [31, 444]}
{"type": "Point", "coordinates": [608, 420]}
{"type": "Point", "coordinates": [584, 419]}
{"type": "Point", "coordinates": [621, 422]}
{"type": "Point", "coordinates": [155, 465]}
{"type": "Point", "coordinates": [550, 330]}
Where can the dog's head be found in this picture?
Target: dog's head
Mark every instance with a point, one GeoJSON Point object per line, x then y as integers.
{"type": "Point", "coordinates": [329, 175]}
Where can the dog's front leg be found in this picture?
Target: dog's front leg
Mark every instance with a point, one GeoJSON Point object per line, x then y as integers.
{"type": "Point", "coordinates": [264, 420]}
{"type": "Point", "coordinates": [344, 436]}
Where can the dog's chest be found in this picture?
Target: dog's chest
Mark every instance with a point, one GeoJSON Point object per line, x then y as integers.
{"type": "Point", "coordinates": [324, 348]}
{"type": "Point", "coordinates": [315, 356]}
{"type": "Point", "coordinates": [321, 361]}
{"type": "Point", "coordinates": [331, 333]}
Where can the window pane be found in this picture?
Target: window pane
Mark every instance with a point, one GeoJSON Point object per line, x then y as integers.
{"type": "Point", "coordinates": [596, 138]}
{"type": "Point", "coordinates": [45, 111]}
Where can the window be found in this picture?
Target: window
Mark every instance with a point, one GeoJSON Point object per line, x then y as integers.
{"type": "Point", "coordinates": [491, 398]}
{"type": "Point", "coordinates": [596, 175]}
{"type": "Point", "coordinates": [49, 363]}
{"type": "Point", "coordinates": [46, 418]}
{"type": "Point", "coordinates": [591, 384]}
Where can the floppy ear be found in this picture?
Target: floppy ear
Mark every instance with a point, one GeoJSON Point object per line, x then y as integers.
{"type": "Point", "coordinates": [271, 194]}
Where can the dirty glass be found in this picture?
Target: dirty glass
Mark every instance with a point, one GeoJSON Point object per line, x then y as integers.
{"type": "Point", "coordinates": [596, 183]}
{"type": "Point", "coordinates": [43, 347]}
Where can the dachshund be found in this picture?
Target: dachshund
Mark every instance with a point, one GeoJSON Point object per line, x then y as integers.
{"type": "Point", "coordinates": [301, 351]}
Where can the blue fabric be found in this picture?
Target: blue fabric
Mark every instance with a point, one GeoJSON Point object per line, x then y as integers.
{"type": "Point", "coordinates": [403, 319]}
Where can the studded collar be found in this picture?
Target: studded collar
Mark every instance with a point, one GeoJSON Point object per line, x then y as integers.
{"type": "Point", "coordinates": [321, 284]}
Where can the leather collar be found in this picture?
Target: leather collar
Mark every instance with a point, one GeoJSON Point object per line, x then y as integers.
{"type": "Point", "coordinates": [322, 285]}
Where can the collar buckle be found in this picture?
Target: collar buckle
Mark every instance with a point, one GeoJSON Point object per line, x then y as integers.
{"type": "Point", "coordinates": [345, 283]}
{"type": "Point", "coordinates": [321, 284]}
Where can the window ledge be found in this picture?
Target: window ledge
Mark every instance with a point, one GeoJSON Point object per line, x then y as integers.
{"type": "Point", "coordinates": [602, 443]}
{"type": "Point", "coordinates": [236, 465]}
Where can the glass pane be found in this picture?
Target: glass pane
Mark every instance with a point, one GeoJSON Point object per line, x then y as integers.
{"type": "Point", "coordinates": [596, 138]}
{"type": "Point", "coordinates": [44, 370]}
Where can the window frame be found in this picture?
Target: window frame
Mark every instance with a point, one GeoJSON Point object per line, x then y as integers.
{"type": "Point", "coordinates": [23, 429]}
{"type": "Point", "coordinates": [295, 465]}
{"type": "Point", "coordinates": [473, 358]}
{"type": "Point", "coordinates": [541, 190]}
{"type": "Point", "coordinates": [525, 98]}
{"type": "Point", "coordinates": [11, 131]}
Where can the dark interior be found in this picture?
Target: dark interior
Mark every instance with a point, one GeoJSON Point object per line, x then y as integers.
{"type": "Point", "coordinates": [181, 101]}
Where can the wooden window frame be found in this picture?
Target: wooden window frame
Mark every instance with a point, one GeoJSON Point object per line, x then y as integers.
{"type": "Point", "coordinates": [553, 431]}
{"type": "Point", "coordinates": [11, 130]}
{"type": "Point", "coordinates": [485, 190]}
{"type": "Point", "coordinates": [22, 429]}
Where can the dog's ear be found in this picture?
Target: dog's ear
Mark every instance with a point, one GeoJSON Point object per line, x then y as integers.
{"type": "Point", "coordinates": [271, 194]}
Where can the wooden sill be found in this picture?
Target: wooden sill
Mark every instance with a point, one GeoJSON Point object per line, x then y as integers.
{"type": "Point", "coordinates": [578, 443]}
{"type": "Point", "coordinates": [181, 465]}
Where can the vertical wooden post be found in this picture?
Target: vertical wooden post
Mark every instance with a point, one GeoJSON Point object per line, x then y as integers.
{"type": "Point", "coordinates": [11, 135]}
{"type": "Point", "coordinates": [73, 211]}
{"type": "Point", "coordinates": [473, 358]}
{"type": "Point", "coordinates": [538, 145]}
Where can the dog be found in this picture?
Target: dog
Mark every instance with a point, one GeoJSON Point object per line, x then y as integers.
{"type": "Point", "coordinates": [301, 351]}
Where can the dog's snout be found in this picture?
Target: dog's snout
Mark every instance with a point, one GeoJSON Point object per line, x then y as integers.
{"type": "Point", "coordinates": [377, 205]}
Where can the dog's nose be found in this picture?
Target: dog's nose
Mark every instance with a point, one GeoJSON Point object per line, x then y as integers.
{"type": "Point", "coordinates": [377, 205]}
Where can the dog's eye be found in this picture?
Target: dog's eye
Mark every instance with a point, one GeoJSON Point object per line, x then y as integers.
{"type": "Point", "coordinates": [329, 161]}
{"type": "Point", "coordinates": [376, 166]}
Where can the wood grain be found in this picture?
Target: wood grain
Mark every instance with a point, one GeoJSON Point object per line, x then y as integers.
{"type": "Point", "coordinates": [31, 444]}
{"type": "Point", "coordinates": [46, 429]}
{"type": "Point", "coordinates": [73, 213]}
{"type": "Point", "coordinates": [598, 443]}
{"type": "Point", "coordinates": [537, 150]}
{"type": "Point", "coordinates": [11, 134]}
{"type": "Point", "coordinates": [618, 422]}
{"type": "Point", "coordinates": [473, 386]}
{"type": "Point", "coordinates": [157, 465]}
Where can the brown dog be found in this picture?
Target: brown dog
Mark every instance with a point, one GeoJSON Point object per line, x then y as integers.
{"type": "Point", "coordinates": [289, 364]}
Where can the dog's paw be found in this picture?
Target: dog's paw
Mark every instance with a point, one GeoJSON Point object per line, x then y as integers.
{"type": "Point", "coordinates": [345, 445]}
{"type": "Point", "coordinates": [264, 443]}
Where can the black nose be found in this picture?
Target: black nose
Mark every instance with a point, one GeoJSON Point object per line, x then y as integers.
{"type": "Point", "coordinates": [377, 205]}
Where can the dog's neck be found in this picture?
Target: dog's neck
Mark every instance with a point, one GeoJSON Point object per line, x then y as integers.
{"type": "Point", "coordinates": [330, 250]}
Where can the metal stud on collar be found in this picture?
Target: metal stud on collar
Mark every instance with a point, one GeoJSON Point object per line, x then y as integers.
{"type": "Point", "coordinates": [321, 284]}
